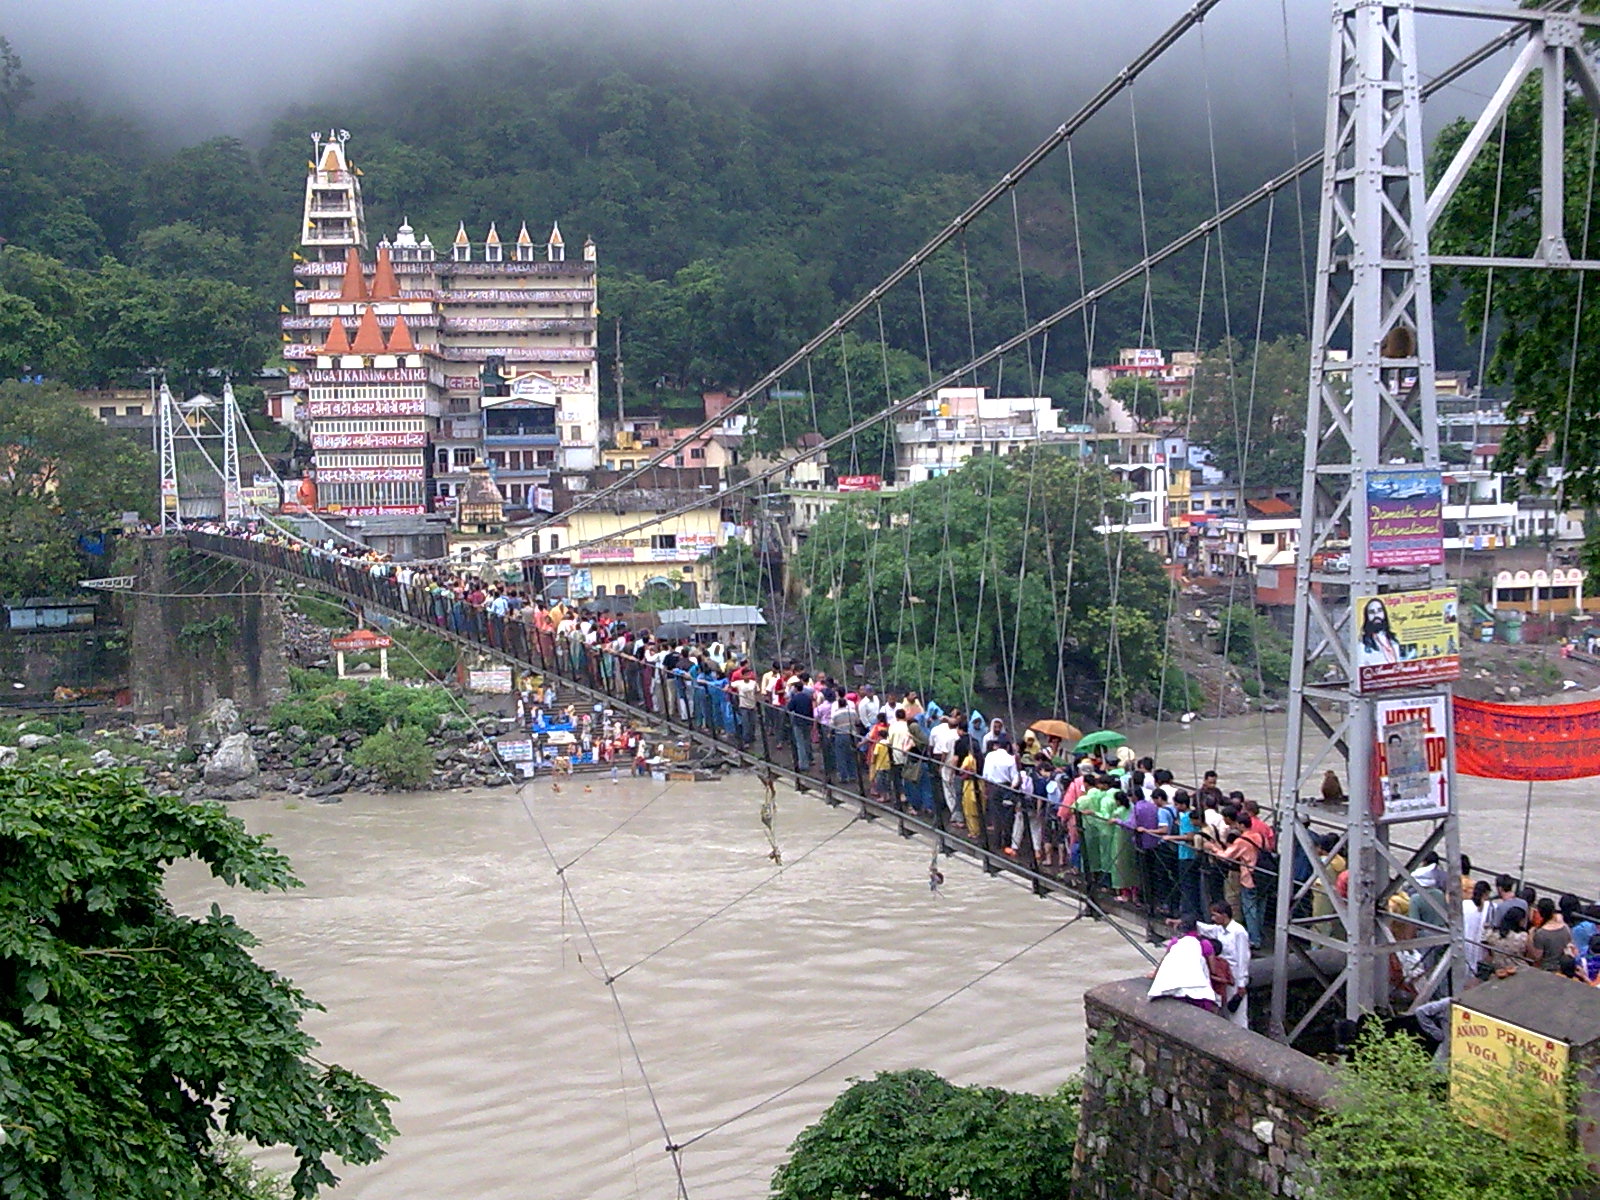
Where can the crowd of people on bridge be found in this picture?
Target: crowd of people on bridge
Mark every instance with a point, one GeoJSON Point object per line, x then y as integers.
{"type": "Point", "coordinates": [1190, 852]}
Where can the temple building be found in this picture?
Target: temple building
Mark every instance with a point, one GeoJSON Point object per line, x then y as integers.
{"type": "Point", "coordinates": [495, 356]}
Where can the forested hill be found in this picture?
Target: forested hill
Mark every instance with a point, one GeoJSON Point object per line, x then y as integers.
{"type": "Point", "coordinates": [733, 219]}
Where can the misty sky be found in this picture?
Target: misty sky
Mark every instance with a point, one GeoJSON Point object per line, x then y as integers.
{"type": "Point", "coordinates": [201, 67]}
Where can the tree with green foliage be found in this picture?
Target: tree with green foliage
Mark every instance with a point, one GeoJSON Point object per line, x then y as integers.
{"type": "Point", "coordinates": [1545, 330]}
{"type": "Point", "coordinates": [15, 86]}
{"type": "Point", "coordinates": [998, 567]}
{"type": "Point", "coordinates": [737, 574]}
{"type": "Point", "coordinates": [1394, 1132]}
{"type": "Point", "coordinates": [911, 1135]}
{"type": "Point", "coordinates": [135, 1041]}
{"type": "Point", "coordinates": [1140, 398]}
{"type": "Point", "coordinates": [1247, 406]}
{"type": "Point", "coordinates": [400, 756]}
{"type": "Point", "coordinates": [64, 477]}
{"type": "Point", "coordinates": [321, 704]}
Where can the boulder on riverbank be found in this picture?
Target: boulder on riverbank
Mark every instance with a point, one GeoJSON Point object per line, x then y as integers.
{"type": "Point", "coordinates": [233, 762]}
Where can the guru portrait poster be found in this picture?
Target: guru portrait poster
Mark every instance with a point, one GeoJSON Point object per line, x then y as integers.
{"type": "Point", "coordinates": [1406, 639]}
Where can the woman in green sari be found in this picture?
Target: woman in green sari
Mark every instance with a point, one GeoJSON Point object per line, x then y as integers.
{"type": "Point", "coordinates": [1124, 864]}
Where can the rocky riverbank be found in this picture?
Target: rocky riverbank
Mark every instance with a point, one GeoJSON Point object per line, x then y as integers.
{"type": "Point", "coordinates": [222, 757]}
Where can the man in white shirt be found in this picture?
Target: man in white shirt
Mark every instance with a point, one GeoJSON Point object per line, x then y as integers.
{"type": "Point", "coordinates": [1000, 780]}
{"type": "Point", "coordinates": [941, 747]}
{"type": "Point", "coordinates": [1235, 942]}
{"type": "Point", "coordinates": [900, 743]}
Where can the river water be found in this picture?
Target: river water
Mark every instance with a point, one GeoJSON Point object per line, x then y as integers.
{"type": "Point", "coordinates": [434, 929]}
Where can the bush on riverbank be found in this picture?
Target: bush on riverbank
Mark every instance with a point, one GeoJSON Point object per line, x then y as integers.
{"type": "Point", "coordinates": [400, 757]}
{"type": "Point", "coordinates": [322, 705]}
{"type": "Point", "coordinates": [915, 1134]}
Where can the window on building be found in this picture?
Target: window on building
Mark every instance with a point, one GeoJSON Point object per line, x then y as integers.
{"type": "Point", "coordinates": [491, 252]}
{"type": "Point", "coordinates": [678, 461]}
{"type": "Point", "coordinates": [1197, 506]}
{"type": "Point", "coordinates": [663, 541]}
{"type": "Point", "coordinates": [697, 454]}
{"type": "Point", "coordinates": [131, 410]}
{"type": "Point", "coordinates": [461, 456]}
{"type": "Point", "coordinates": [600, 590]}
{"type": "Point", "coordinates": [109, 410]}
{"type": "Point", "coordinates": [497, 459]}
{"type": "Point", "coordinates": [1266, 539]}
{"type": "Point", "coordinates": [555, 542]}
{"type": "Point", "coordinates": [575, 433]}
{"type": "Point", "coordinates": [546, 457]}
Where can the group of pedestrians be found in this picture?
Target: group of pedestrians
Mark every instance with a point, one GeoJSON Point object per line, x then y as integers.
{"type": "Point", "coordinates": [1188, 852]}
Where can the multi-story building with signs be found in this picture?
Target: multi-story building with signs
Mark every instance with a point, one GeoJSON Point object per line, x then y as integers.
{"type": "Point", "coordinates": [498, 347]}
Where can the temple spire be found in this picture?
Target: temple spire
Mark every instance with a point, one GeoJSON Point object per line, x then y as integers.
{"type": "Point", "coordinates": [354, 288]}
{"type": "Point", "coordinates": [384, 285]}
{"type": "Point", "coordinates": [369, 338]}
{"type": "Point", "coordinates": [400, 338]}
{"type": "Point", "coordinates": [338, 340]}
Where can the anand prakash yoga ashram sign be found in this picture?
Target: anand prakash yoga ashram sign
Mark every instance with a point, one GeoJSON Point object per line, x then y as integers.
{"type": "Point", "coordinates": [1485, 1050]}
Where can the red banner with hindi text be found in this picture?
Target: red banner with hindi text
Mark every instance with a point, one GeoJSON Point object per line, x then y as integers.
{"type": "Point", "coordinates": [1532, 742]}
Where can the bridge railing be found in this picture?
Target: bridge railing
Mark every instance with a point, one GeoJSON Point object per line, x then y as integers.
{"type": "Point", "coordinates": [922, 792]}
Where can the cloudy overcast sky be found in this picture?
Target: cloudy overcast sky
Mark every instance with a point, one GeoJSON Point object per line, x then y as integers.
{"type": "Point", "coordinates": [200, 67]}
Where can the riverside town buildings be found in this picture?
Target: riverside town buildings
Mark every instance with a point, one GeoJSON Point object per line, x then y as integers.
{"type": "Point", "coordinates": [411, 364]}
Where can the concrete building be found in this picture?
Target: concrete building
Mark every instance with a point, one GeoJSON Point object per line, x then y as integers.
{"type": "Point", "coordinates": [1477, 513]}
{"type": "Point", "coordinates": [623, 562]}
{"type": "Point", "coordinates": [1172, 379]}
{"type": "Point", "coordinates": [960, 422]}
{"type": "Point", "coordinates": [526, 310]}
{"type": "Point", "coordinates": [1552, 591]}
{"type": "Point", "coordinates": [1264, 536]}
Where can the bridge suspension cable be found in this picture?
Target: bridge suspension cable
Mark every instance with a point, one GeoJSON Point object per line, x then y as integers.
{"type": "Point", "coordinates": [1083, 303]}
{"type": "Point", "coordinates": [1005, 185]}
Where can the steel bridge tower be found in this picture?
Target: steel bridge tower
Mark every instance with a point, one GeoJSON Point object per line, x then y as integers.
{"type": "Point", "coordinates": [1371, 569]}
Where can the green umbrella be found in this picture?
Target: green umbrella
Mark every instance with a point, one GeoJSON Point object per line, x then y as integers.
{"type": "Point", "coordinates": [1102, 737]}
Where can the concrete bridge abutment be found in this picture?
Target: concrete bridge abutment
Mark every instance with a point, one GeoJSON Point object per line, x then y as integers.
{"type": "Point", "coordinates": [202, 629]}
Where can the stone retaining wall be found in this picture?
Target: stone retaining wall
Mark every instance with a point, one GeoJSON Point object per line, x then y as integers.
{"type": "Point", "coordinates": [1180, 1104]}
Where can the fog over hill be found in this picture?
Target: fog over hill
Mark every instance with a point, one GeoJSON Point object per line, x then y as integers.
{"type": "Point", "coordinates": [196, 68]}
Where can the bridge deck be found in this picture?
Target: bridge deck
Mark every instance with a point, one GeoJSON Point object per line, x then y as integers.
{"type": "Point", "coordinates": [514, 643]}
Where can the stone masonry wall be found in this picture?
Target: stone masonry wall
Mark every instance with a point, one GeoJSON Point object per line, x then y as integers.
{"type": "Point", "coordinates": [1180, 1104]}
{"type": "Point", "coordinates": [175, 667]}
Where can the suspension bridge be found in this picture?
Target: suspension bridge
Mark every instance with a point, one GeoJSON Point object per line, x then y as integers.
{"type": "Point", "coordinates": [1371, 415]}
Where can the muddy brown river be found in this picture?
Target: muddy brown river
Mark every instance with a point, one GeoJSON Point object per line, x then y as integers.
{"type": "Point", "coordinates": [434, 929]}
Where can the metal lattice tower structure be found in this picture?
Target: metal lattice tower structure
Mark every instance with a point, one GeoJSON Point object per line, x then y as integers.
{"type": "Point", "coordinates": [1371, 419]}
{"type": "Point", "coordinates": [232, 491]}
{"type": "Point", "coordinates": [167, 496]}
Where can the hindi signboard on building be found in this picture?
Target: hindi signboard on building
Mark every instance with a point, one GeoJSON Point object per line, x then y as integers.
{"type": "Point", "coordinates": [366, 408]}
{"type": "Point", "coordinates": [1406, 639]}
{"type": "Point", "coordinates": [860, 483]}
{"type": "Point", "coordinates": [1405, 517]}
{"type": "Point", "coordinates": [1413, 776]}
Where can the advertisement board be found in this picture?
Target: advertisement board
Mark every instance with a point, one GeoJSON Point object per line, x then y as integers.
{"type": "Point", "coordinates": [1485, 1051]}
{"type": "Point", "coordinates": [1406, 639]}
{"type": "Point", "coordinates": [860, 483]}
{"type": "Point", "coordinates": [1413, 741]}
{"type": "Point", "coordinates": [494, 681]}
{"type": "Point", "coordinates": [1405, 517]}
{"type": "Point", "coordinates": [514, 750]}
